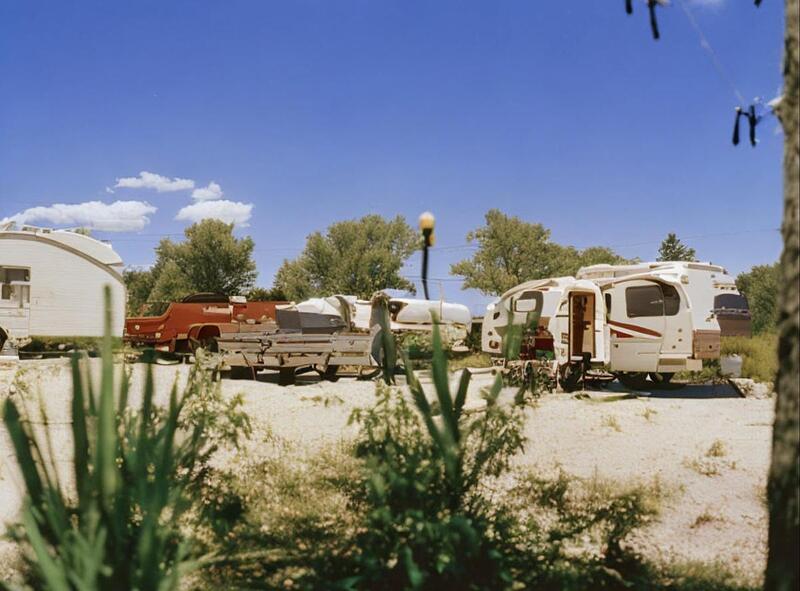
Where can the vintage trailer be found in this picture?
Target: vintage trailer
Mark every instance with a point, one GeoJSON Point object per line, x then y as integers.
{"type": "Point", "coordinates": [51, 285]}
{"type": "Point", "coordinates": [710, 288]}
{"type": "Point", "coordinates": [197, 320]}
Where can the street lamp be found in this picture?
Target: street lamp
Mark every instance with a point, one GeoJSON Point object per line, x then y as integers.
{"type": "Point", "coordinates": [426, 223]}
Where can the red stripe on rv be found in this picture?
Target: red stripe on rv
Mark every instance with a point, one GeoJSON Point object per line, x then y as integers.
{"type": "Point", "coordinates": [641, 329]}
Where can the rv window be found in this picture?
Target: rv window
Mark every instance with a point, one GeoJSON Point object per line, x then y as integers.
{"type": "Point", "coordinates": [608, 303]}
{"type": "Point", "coordinates": [529, 301]}
{"type": "Point", "coordinates": [730, 301]}
{"type": "Point", "coordinates": [646, 300]}
{"type": "Point", "coordinates": [672, 300]}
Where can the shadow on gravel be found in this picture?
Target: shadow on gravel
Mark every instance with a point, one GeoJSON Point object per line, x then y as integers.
{"type": "Point", "coordinates": [615, 391]}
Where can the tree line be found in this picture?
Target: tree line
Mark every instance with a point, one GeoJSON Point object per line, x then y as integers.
{"type": "Point", "coordinates": [365, 255]}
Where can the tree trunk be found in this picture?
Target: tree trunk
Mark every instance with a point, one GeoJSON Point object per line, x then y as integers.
{"type": "Point", "coordinates": [783, 489]}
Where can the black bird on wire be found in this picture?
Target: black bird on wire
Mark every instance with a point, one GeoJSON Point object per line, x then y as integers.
{"type": "Point", "coordinates": [651, 6]}
{"type": "Point", "coordinates": [752, 120]}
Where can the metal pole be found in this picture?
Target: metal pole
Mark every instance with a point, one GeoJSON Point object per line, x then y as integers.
{"type": "Point", "coordinates": [427, 235]}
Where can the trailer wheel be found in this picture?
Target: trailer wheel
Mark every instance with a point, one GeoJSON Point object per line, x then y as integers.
{"type": "Point", "coordinates": [240, 372]}
{"type": "Point", "coordinates": [286, 376]}
{"type": "Point", "coordinates": [634, 380]}
{"type": "Point", "coordinates": [329, 373]}
{"type": "Point", "coordinates": [569, 377]}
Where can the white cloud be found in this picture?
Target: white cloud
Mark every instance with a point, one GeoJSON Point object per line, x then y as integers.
{"type": "Point", "coordinates": [151, 180]}
{"type": "Point", "coordinates": [120, 216]}
{"type": "Point", "coordinates": [212, 192]}
{"type": "Point", "coordinates": [230, 212]}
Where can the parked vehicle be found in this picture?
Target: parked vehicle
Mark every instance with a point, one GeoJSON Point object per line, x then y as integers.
{"type": "Point", "coordinates": [197, 320]}
{"type": "Point", "coordinates": [710, 288]}
{"type": "Point", "coordinates": [51, 285]}
{"type": "Point", "coordinates": [324, 334]}
{"type": "Point", "coordinates": [651, 320]}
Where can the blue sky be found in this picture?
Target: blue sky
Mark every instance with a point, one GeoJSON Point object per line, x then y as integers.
{"type": "Point", "coordinates": [311, 111]}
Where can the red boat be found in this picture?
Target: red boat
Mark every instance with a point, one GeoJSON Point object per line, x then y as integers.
{"type": "Point", "coordinates": [197, 320]}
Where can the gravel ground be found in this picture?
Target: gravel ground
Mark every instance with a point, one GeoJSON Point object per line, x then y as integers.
{"type": "Point", "coordinates": [610, 433]}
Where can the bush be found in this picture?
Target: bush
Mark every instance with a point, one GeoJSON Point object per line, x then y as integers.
{"type": "Point", "coordinates": [429, 523]}
{"type": "Point", "coordinates": [759, 355]}
{"type": "Point", "coordinates": [133, 477]}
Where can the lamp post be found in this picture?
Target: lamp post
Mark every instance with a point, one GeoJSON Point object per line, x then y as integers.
{"type": "Point", "coordinates": [426, 223]}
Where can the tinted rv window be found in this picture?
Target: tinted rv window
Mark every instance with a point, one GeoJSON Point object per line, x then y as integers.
{"type": "Point", "coordinates": [672, 300]}
{"type": "Point", "coordinates": [608, 303]}
{"type": "Point", "coordinates": [646, 300]}
{"type": "Point", "coordinates": [730, 301]}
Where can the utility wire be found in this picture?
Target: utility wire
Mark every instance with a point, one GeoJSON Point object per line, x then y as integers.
{"type": "Point", "coordinates": [715, 61]}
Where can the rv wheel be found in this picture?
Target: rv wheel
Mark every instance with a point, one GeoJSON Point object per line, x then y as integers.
{"type": "Point", "coordinates": [634, 380]}
{"type": "Point", "coordinates": [661, 378]}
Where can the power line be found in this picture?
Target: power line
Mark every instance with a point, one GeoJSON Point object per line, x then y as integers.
{"type": "Point", "coordinates": [715, 61]}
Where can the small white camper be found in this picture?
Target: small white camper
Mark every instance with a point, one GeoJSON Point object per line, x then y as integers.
{"type": "Point", "coordinates": [51, 284]}
{"type": "Point", "coordinates": [648, 319]}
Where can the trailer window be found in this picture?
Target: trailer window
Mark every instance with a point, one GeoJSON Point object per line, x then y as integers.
{"type": "Point", "coordinates": [645, 300]}
{"type": "Point", "coordinates": [11, 284]}
{"type": "Point", "coordinates": [608, 303]}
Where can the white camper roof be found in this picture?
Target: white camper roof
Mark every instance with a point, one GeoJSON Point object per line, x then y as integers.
{"type": "Point", "coordinates": [605, 271]}
{"type": "Point", "coordinates": [87, 246]}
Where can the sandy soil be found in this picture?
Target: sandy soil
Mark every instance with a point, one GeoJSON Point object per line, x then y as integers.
{"type": "Point", "coordinates": [662, 435]}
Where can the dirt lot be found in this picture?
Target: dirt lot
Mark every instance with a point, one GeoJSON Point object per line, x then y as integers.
{"type": "Point", "coordinates": [717, 510]}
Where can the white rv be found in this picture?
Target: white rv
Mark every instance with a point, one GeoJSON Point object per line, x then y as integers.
{"type": "Point", "coordinates": [709, 287]}
{"type": "Point", "coordinates": [51, 284]}
{"type": "Point", "coordinates": [644, 321]}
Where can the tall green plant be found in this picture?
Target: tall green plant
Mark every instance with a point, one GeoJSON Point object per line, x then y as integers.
{"type": "Point", "coordinates": [133, 473]}
{"type": "Point", "coordinates": [429, 523]}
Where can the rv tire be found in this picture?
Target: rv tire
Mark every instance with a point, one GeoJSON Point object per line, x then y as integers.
{"type": "Point", "coordinates": [661, 378]}
{"type": "Point", "coordinates": [635, 380]}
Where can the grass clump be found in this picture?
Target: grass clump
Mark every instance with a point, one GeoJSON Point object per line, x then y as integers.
{"type": "Point", "coordinates": [759, 355]}
{"type": "Point", "coordinates": [611, 422]}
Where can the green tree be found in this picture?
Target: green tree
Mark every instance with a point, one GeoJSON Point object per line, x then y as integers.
{"type": "Point", "coordinates": [262, 294]}
{"type": "Point", "coordinates": [139, 284]}
{"type": "Point", "coordinates": [761, 285]}
{"type": "Point", "coordinates": [672, 249]}
{"type": "Point", "coordinates": [511, 250]}
{"type": "Point", "coordinates": [356, 257]}
{"type": "Point", "coordinates": [211, 259]}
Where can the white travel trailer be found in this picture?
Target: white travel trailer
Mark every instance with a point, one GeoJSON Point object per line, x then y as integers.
{"type": "Point", "coordinates": [571, 326]}
{"type": "Point", "coordinates": [51, 284]}
{"type": "Point", "coordinates": [646, 321]}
